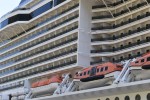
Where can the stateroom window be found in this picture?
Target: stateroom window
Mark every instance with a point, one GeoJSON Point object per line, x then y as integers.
{"type": "Point", "coordinates": [142, 60]}
{"type": "Point", "coordinates": [97, 69]}
{"type": "Point", "coordinates": [102, 69]}
{"type": "Point", "coordinates": [148, 59]}
{"type": "Point", "coordinates": [84, 73]}
{"type": "Point", "coordinates": [137, 62]}
{"type": "Point", "coordinates": [106, 68]}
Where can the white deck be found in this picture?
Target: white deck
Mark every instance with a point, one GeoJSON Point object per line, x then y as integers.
{"type": "Point", "coordinates": [139, 86]}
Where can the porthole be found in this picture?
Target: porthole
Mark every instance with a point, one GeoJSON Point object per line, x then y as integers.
{"type": "Point", "coordinates": [117, 98]}
{"type": "Point", "coordinates": [127, 98]}
{"type": "Point", "coordinates": [137, 97]}
{"type": "Point", "coordinates": [148, 96]}
{"type": "Point", "coordinates": [107, 99]}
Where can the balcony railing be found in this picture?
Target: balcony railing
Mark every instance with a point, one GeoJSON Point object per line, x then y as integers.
{"type": "Point", "coordinates": [40, 71]}
{"type": "Point", "coordinates": [33, 54]}
{"type": "Point", "coordinates": [123, 35]}
{"type": "Point", "coordinates": [12, 86]}
{"type": "Point", "coordinates": [46, 49]}
{"type": "Point", "coordinates": [42, 32]}
{"type": "Point", "coordinates": [116, 61]}
{"type": "Point", "coordinates": [131, 9]}
{"type": "Point", "coordinates": [46, 59]}
{"type": "Point", "coordinates": [121, 12]}
{"type": "Point", "coordinates": [123, 23]}
{"type": "Point", "coordinates": [61, 33]}
{"type": "Point", "coordinates": [122, 47]}
{"type": "Point", "coordinates": [109, 5]}
{"type": "Point", "coordinates": [101, 39]}
{"type": "Point", "coordinates": [37, 34]}
{"type": "Point", "coordinates": [96, 62]}
{"type": "Point", "coordinates": [102, 16]}
{"type": "Point", "coordinates": [127, 58]}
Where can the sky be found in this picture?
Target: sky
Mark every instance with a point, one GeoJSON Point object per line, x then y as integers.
{"type": "Point", "coordinates": [8, 5]}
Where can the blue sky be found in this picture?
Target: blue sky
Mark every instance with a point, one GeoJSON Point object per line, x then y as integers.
{"type": "Point", "coordinates": [7, 5]}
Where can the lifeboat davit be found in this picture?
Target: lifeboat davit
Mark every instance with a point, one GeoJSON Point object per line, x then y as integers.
{"type": "Point", "coordinates": [96, 76]}
{"type": "Point", "coordinates": [141, 67]}
{"type": "Point", "coordinates": [45, 87]}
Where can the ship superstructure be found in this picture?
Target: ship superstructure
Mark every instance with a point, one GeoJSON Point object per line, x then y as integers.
{"type": "Point", "coordinates": [41, 39]}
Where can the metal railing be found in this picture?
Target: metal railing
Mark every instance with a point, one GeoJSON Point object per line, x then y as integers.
{"type": "Point", "coordinates": [122, 47]}
{"type": "Point", "coordinates": [121, 12]}
{"type": "Point", "coordinates": [37, 34]}
{"type": "Point", "coordinates": [109, 5]}
{"type": "Point", "coordinates": [130, 32]}
{"type": "Point", "coordinates": [46, 49]}
{"type": "Point", "coordinates": [123, 23]}
{"type": "Point", "coordinates": [40, 71]}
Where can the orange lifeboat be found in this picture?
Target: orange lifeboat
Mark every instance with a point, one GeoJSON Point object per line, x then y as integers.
{"type": "Point", "coordinates": [97, 72]}
{"type": "Point", "coordinates": [97, 76]}
{"type": "Point", "coordinates": [45, 87]}
{"type": "Point", "coordinates": [54, 79]}
{"type": "Point", "coordinates": [34, 85]}
{"type": "Point", "coordinates": [142, 62]}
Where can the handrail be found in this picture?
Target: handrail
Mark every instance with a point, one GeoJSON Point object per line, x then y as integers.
{"type": "Point", "coordinates": [125, 68]}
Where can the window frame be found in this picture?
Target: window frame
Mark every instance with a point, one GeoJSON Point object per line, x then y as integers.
{"type": "Point", "coordinates": [84, 73]}
{"type": "Point", "coordinates": [102, 69]}
{"type": "Point", "coordinates": [98, 70]}
{"type": "Point", "coordinates": [81, 74]}
{"type": "Point", "coordinates": [142, 60]}
{"type": "Point", "coordinates": [136, 62]}
{"type": "Point", "coordinates": [106, 68]}
{"type": "Point", "coordinates": [148, 58]}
